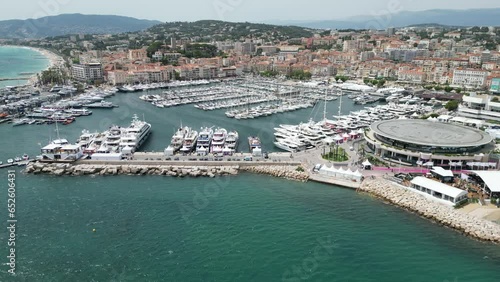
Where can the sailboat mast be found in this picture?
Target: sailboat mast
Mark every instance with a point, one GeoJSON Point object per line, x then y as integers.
{"type": "Point", "coordinates": [324, 108]}
{"type": "Point", "coordinates": [57, 130]}
{"type": "Point", "coordinates": [340, 103]}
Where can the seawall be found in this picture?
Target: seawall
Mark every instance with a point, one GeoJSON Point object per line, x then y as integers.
{"type": "Point", "coordinates": [446, 215]}
{"type": "Point", "coordinates": [175, 169]}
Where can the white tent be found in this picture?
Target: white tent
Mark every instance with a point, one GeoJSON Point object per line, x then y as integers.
{"type": "Point", "coordinates": [442, 172]}
{"type": "Point", "coordinates": [340, 173]}
{"type": "Point", "coordinates": [367, 165]}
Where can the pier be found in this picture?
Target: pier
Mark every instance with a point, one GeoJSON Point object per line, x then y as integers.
{"type": "Point", "coordinates": [14, 78]}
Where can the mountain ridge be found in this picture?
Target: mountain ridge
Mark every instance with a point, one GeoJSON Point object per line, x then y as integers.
{"type": "Point", "coordinates": [445, 17]}
{"type": "Point", "coordinates": [72, 24]}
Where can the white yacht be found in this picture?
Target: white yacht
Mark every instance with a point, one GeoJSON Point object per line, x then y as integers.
{"type": "Point", "coordinates": [178, 139]}
{"type": "Point", "coordinates": [85, 139]}
{"type": "Point", "coordinates": [61, 150]}
{"type": "Point", "coordinates": [96, 143]}
{"type": "Point", "coordinates": [113, 137]}
{"type": "Point", "coordinates": [232, 140]}
{"type": "Point", "coordinates": [135, 135]}
{"type": "Point", "coordinates": [290, 145]}
{"type": "Point", "coordinates": [189, 141]}
{"type": "Point", "coordinates": [204, 140]}
{"type": "Point", "coordinates": [218, 140]}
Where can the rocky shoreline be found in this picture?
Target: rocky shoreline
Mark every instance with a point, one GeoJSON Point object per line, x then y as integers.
{"type": "Point", "coordinates": [60, 169]}
{"type": "Point", "coordinates": [287, 172]}
{"type": "Point", "coordinates": [446, 215]}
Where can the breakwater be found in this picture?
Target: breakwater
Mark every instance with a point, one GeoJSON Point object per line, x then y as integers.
{"type": "Point", "coordinates": [446, 215]}
{"type": "Point", "coordinates": [179, 169]}
{"type": "Point", "coordinates": [288, 172]}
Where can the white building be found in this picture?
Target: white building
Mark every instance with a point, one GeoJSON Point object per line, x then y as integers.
{"type": "Point", "coordinates": [85, 72]}
{"type": "Point", "coordinates": [479, 107]}
{"type": "Point", "coordinates": [469, 77]}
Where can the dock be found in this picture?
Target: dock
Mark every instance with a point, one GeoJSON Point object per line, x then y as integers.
{"type": "Point", "coordinates": [21, 163]}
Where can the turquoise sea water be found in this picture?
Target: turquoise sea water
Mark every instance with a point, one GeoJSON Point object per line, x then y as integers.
{"type": "Point", "coordinates": [240, 228]}
{"type": "Point", "coordinates": [14, 61]}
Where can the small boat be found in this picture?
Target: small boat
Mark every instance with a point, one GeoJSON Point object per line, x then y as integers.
{"type": "Point", "coordinates": [17, 159]}
{"type": "Point", "coordinates": [26, 157]}
{"type": "Point", "coordinates": [10, 161]}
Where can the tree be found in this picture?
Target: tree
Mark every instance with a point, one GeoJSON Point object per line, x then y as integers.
{"type": "Point", "coordinates": [381, 83]}
{"type": "Point", "coordinates": [155, 46]}
{"type": "Point", "coordinates": [53, 76]}
{"type": "Point", "coordinates": [494, 99]}
{"type": "Point", "coordinates": [458, 90]}
{"type": "Point", "coordinates": [475, 29]}
{"type": "Point", "coordinates": [300, 75]}
{"type": "Point", "coordinates": [438, 88]}
{"type": "Point", "coordinates": [451, 105]}
{"type": "Point", "coordinates": [448, 89]}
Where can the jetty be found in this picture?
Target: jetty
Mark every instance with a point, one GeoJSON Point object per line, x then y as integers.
{"type": "Point", "coordinates": [176, 168]}
{"type": "Point", "coordinates": [14, 78]}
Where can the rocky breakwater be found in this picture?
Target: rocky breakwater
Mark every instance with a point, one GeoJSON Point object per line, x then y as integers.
{"type": "Point", "coordinates": [288, 172]}
{"type": "Point", "coordinates": [167, 170]}
{"type": "Point", "coordinates": [446, 215]}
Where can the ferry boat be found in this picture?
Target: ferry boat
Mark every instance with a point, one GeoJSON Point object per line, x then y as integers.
{"type": "Point", "coordinates": [204, 141]}
{"type": "Point", "coordinates": [218, 140]}
{"type": "Point", "coordinates": [189, 141]}
{"type": "Point", "coordinates": [135, 135]}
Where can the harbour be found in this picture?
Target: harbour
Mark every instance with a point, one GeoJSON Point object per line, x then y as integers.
{"type": "Point", "coordinates": [246, 177]}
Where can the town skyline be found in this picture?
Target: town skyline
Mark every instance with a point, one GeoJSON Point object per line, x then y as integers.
{"type": "Point", "coordinates": [233, 10]}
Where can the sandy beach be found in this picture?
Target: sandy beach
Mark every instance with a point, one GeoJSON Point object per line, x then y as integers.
{"type": "Point", "coordinates": [54, 60]}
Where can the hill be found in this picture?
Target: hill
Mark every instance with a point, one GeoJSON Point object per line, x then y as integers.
{"type": "Point", "coordinates": [473, 17]}
{"type": "Point", "coordinates": [71, 24]}
{"type": "Point", "coordinates": [209, 30]}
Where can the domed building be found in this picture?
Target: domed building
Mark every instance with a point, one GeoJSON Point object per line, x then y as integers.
{"type": "Point", "coordinates": [415, 141]}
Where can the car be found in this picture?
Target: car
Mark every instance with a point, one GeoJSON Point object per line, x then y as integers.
{"type": "Point", "coordinates": [167, 159]}
{"type": "Point", "coordinates": [176, 159]}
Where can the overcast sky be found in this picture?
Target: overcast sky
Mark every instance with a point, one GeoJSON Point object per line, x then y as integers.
{"type": "Point", "coordinates": [230, 10]}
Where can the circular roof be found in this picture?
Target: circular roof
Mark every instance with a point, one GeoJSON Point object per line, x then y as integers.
{"type": "Point", "coordinates": [427, 133]}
